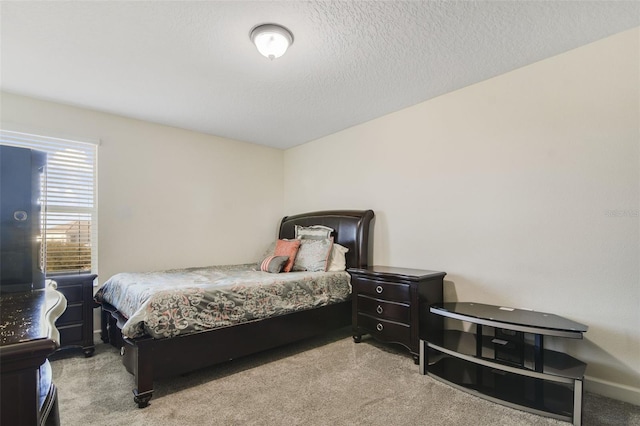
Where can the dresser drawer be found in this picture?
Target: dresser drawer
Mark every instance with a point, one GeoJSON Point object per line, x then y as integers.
{"type": "Point", "coordinates": [400, 312]}
{"type": "Point", "coordinates": [385, 330]}
{"type": "Point", "coordinates": [73, 293]}
{"type": "Point", "coordinates": [382, 289]}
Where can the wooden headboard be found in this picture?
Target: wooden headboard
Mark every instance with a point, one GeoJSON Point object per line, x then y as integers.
{"type": "Point", "coordinates": [352, 229]}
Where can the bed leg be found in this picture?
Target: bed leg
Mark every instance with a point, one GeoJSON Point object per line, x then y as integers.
{"type": "Point", "coordinates": [144, 385]}
{"type": "Point", "coordinates": [139, 360]}
{"type": "Point", "coordinates": [142, 399]}
{"type": "Point", "coordinates": [104, 325]}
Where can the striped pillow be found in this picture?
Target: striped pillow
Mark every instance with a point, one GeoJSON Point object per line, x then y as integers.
{"type": "Point", "coordinates": [273, 264]}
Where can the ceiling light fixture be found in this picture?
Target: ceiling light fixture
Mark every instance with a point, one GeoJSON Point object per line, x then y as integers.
{"type": "Point", "coordinates": [271, 40]}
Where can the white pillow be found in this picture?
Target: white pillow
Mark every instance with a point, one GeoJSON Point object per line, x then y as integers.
{"type": "Point", "coordinates": [314, 232]}
{"type": "Point", "coordinates": [337, 259]}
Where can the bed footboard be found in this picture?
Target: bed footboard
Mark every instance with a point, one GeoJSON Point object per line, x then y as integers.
{"type": "Point", "coordinates": [150, 359]}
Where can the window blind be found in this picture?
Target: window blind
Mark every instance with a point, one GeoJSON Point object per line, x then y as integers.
{"type": "Point", "coordinates": [68, 197]}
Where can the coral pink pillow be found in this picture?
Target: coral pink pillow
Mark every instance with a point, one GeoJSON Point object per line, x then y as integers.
{"type": "Point", "coordinates": [287, 248]}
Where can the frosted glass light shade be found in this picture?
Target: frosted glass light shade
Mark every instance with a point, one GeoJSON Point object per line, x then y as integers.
{"type": "Point", "coordinates": [271, 40]}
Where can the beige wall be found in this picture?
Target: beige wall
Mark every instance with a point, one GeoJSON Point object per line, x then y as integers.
{"type": "Point", "coordinates": [523, 188]}
{"type": "Point", "coordinates": [167, 197]}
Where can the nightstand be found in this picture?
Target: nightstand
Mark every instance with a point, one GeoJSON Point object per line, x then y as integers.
{"type": "Point", "coordinates": [387, 304]}
{"type": "Point", "coordinates": [76, 323]}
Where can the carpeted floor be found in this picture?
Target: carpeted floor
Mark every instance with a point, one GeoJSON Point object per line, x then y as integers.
{"type": "Point", "coordinates": [325, 381]}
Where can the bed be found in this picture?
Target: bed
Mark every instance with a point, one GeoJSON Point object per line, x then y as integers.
{"type": "Point", "coordinates": [149, 358]}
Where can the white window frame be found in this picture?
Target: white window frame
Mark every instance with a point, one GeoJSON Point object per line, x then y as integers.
{"type": "Point", "coordinates": [22, 137]}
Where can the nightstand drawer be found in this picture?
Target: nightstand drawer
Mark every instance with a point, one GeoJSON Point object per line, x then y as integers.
{"type": "Point", "coordinates": [382, 289]}
{"type": "Point", "coordinates": [73, 293]}
{"type": "Point", "coordinates": [384, 330]}
{"type": "Point", "coordinates": [400, 312]}
{"type": "Point", "coordinates": [71, 334]}
{"type": "Point", "coordinates": [73, 314]}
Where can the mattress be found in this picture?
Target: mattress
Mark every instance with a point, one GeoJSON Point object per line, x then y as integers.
{"type": "Point", "coordinates": [183, 301]}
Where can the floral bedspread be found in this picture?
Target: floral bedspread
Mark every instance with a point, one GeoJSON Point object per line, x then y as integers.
{"type": "Point", "coordinates": [181, 301]}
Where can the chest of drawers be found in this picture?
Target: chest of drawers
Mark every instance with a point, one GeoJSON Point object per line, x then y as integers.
{"type": "Point", "coordinates": [76, 323]}
{"type": "Point", "coordinates": [387, 300]}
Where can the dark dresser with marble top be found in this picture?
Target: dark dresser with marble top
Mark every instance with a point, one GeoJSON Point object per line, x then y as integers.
{"type": "Point", "coordinates": [27, 337]}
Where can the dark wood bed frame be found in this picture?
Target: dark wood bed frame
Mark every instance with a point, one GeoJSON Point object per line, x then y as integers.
{"type": "Point", "coordinates": [149, 359]}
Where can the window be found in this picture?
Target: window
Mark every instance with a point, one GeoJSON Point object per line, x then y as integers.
{"type": "Point", "coordinates": [69, 200]}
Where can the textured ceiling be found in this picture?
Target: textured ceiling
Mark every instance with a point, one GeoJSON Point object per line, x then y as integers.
{"type": "Point", "coordinates": [190, 64]}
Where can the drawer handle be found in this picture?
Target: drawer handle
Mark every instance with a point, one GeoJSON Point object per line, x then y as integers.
{"type": "Point", "coordinates": [379, 309]}
{"type": "Point", "coordinates": [379, 327]}
{"type": "Point", "coordinates": [379, 289]}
